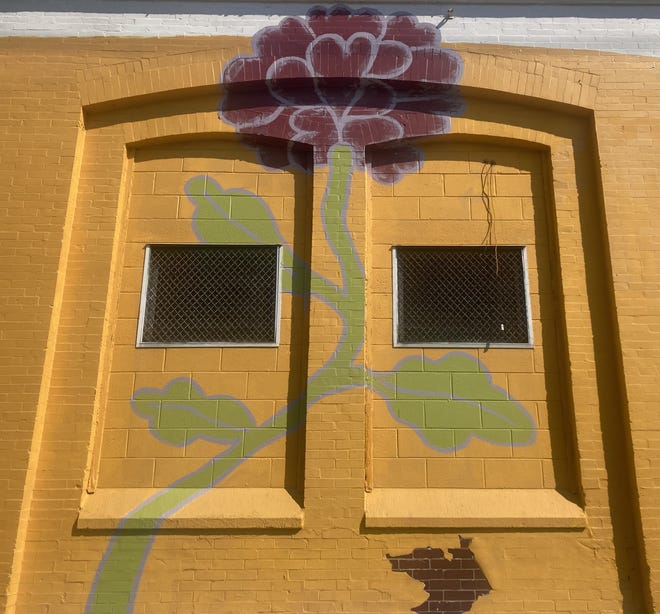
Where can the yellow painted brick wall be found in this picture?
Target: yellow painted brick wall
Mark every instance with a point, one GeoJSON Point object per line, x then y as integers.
{"type": "Point", "coordinates": [574, 135]}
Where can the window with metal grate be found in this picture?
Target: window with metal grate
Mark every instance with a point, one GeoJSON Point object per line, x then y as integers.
{"type": "Point", "coordinates": [461, 296]}
{"type": "Point", "coordinates": [210, 295]}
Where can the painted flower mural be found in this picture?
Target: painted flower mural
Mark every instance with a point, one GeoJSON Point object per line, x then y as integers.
{"type": "Point", "coordinates": [345, 76]}
{"type": "Point", "coordinates": [338, 81]}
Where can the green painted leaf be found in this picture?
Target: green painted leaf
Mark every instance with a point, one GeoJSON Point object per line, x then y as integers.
{"type": "Point", "coordinates": [230, 216]}
{"type": "Point", "coordinates": [236, 216]}
{"type": "Point", "coordinates": [181, 412]}
{"type": "Point", "coordinates": [450, 400]}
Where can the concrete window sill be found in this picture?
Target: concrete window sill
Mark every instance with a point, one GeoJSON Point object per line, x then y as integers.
{"type": "Point", "coordinates": [471, 508]}
{"type": "Point", "coordinates": [216, 508]}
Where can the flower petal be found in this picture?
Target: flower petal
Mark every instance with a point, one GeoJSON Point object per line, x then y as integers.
{"type": "Point", "coordinates": [289, 38]}
{"type": "Point", "coordinates": [420, 122]}
{"type": "Point", "coordinates": [315, 125]}
{"type": "Point", "coordinates": [242, 69]}
{"type": "Point", "coordinates": [372, 97]}
{"type": "Point", "coordinates": [331, 56]}
{"type": "Point", "coordinates": [279, 127]}
{"type": "Point", "coordinates": [246, 110]}
{"type": "Point", "coordinates": [289, 81]}
{"type": "Point", "coordinates": [345, 75]}
{"type": "Point", "coordinates": [345, 21]}
{"type": "Point", "coordinates": [289, 67]}
{"type": "Point", "coordinates": [407, 30]}
{"type": "Point", "coordinates": [339, 93]}
{"type": "Point", "coordinates": [435, 66]}
{"type": "Point", "coordinates": [362, 131]}
{"type": "Point", "coordinates": [389, 163]}
{"type": "Point", "coordinates": [392, 58]}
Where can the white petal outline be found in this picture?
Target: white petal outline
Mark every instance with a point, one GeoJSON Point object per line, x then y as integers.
{"type": "Point", "coordinates": [390, 120]}
{"type": "Point", "coordinates": [270, 77]}
{"type": "Point", "coordinates": [382, 22]}
{"type": "Point", "coordinates": [457, 74]}
{"type": "Point", "coordinates": [359, 92]}
{"type": "Point", "coordinates": [221, 110]}
{"type": "Point", "coordinates": [376, 45]}
{"type": "Point", "coordinates": [250, 124]}
{"type": "Point", "coordinates": [232, 62]}
{"type": "Point", "coordinates": [329, 108]}
{"type": "Point", "coordinates": [361, 12]}
{"type": "Point", "coordinates": [390, 20]}
{"type": "Point", "coordinates": [395, 72]}
{"type": "Point", "coordinates": [344, 45]}
{"type": "Point", "coordinates": [308, 59]}
{"type": "Point", "coordinates": [276, 65]}
{"type": "Point", "coordinates": [256, 39]}
{"type": "Point", "coordinates": [303, 136]}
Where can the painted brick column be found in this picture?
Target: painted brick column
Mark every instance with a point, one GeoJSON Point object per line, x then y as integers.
{"type": "Point", "coordinates": [334, 468]}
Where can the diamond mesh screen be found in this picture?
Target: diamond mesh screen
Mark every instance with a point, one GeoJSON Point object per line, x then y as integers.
{"type": "Point", "coordinates": [461, 295]}
{"type": "Point", "coordinates": [211, 294]}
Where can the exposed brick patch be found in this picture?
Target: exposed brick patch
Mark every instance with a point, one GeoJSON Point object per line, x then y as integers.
{"type": "Point", "coordinates": [453, 584]}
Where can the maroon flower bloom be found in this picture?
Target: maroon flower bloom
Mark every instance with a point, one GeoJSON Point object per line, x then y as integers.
{"type": "Point", "coordinates": [345, 76]}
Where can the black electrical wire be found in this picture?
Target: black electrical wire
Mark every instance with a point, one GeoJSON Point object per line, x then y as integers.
{"type": "Point", "coordinates": [486, 182]}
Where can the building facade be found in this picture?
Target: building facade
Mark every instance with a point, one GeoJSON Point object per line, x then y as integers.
{"type": "Point", "coordinates": [329, 308]}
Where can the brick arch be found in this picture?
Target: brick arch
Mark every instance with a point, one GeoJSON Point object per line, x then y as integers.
{"type": "Point", "coordinates": [124, 84]}
{"type": "Point", "coordinates": [173, 96]}
{"type": "Point", "coordinates": [487, 73]}
{"type": "Point", "coordinates": [179, 77]}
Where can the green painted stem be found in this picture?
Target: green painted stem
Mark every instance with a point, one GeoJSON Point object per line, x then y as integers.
{"type": "Point", "coordinates": [349, 304]}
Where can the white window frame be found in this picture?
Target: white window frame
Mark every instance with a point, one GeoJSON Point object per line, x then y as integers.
{"type": "Point", "coordinates": [143, 301]}
{"type": "Point", "coordinates": [459, 344]}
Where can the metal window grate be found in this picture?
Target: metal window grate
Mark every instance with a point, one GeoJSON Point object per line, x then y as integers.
{"type": "Point", "coordinates": [461, 295]}
{"type": "Point", "coordinates": [220, 294]}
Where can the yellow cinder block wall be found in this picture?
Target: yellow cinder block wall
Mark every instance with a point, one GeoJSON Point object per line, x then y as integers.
{"type": "Point", "coordinates": [449, 208]}
{"type": "Point", "coordinates": [96, 147]}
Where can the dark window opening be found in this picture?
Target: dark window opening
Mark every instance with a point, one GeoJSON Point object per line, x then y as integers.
{"type": "Point", "coordinates": [461, 296]}
{"type": "Point", "coordinates": [210, 295]}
